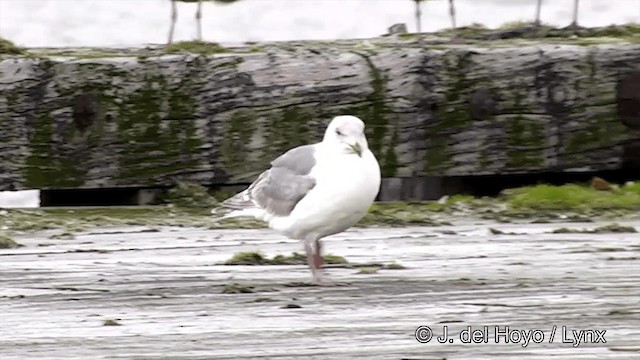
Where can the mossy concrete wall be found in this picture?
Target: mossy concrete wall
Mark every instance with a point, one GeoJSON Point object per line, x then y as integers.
{"type": "Point", "coordinates": [79, 120]}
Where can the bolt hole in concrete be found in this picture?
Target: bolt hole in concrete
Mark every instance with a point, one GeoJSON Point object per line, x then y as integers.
{"type": "Point", "coordinates": [85, 110]}
{"type": "Point", "coordinates": [629, 100]}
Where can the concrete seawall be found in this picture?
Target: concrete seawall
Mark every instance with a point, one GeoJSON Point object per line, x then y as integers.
{"type": "Point", "coordinates": [122, 118]}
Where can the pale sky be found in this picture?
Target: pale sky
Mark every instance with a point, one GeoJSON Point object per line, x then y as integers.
{"type": "Point", "coordinates": [138, 22]}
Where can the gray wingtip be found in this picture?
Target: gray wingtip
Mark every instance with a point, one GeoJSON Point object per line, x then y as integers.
{"type": "Point", "coordinates": [239, 201]}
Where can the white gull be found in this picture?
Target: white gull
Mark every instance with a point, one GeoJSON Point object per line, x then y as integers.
{"type": "Point", "coordinates": [313, 191]}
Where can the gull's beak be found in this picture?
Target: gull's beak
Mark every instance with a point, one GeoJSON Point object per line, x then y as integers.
{"type": "Point", "coordinates": [356, 148]}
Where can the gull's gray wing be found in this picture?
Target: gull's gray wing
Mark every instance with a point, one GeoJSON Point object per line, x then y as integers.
{"type": "Point", "coordinates": [280, 188]}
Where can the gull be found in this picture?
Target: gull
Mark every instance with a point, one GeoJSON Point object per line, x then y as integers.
{"type": "Point", "coordinates": [316, 190]}
{"type": "Point", "coordinates": [174, 16]}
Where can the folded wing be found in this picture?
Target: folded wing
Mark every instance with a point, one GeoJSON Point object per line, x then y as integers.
{"type": "Point", "coordinates": [279, 189]}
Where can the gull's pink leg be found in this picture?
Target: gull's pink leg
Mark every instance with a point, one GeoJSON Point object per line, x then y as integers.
{"type": "Point", "coordinates": [318, 262]}
{"type": "Point", "coordinates": [317, 256]}
{"type": "Point", "coordinates": [311, 260]}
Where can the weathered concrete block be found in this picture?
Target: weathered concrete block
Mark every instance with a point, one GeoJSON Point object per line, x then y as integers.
{"type": "Point", "coordinates": [130, 120]}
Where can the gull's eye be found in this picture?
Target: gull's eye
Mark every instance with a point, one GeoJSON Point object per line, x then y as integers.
{"type": "Point", "coordinates": [338, 132]}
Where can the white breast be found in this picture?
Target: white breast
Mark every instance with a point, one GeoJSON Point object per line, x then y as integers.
{"type": "Point", "coordinates": [346, 185]}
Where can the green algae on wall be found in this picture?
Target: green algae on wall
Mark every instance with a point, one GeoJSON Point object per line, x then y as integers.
{"type": "Point", "coordinates": [157, 125]}
{"type": "Point", "coordinates": [390, 161]}
{"type": "Point", "coordinates": [57, 159]}
{"type": "Point", "coordinates": [11, 100]}
{"type": "Point", "coordinates": [525, 137]}
{"type": "Point", "coordinates": [600, 123]}
{"type": "Point", "coordinates": [196, 47]}
{"type": "Point", "coordinates": [60, 152]}
{"type": "Point", "coordinates": [284, 129]}
{"type": "Point", "coordinates": [377, 117]}
{"type": "Point", "coordinates": [40, 169]}
{"type": "Point", "coordinates": [8, 47]}
{"type": "Point", "coordinates": [483, 159]}
{"type": "Point", "coordinates": [235, 147]}
{"type": "Point", "coordinates": [597, 134]}
{"type": "Point", "coordinates": [50, 165]}
{"type": "Point", "coordinates": [454, 112]}
{"type": "Point", "coordinates": [288, 128]}
{"type": "Point", "coordinates": [437, 154]}
{"type": "Point", "coordinates": [376, 109]}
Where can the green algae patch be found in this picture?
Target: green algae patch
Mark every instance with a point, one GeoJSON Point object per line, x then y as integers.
{"type": "Point", "coordinates": [518, 32]}
{"type": "Point", "coordinates": [394, 266]}
{"type": "Point", "coordinates": [237, 223]}
{"type": "Point", "coordinates": [416, 213]}
{"type": "Point", "coordinates": [606, 229]}
{"type": "Point", "coordinates": [540, 203]}
{"type": "Point", "coordinates": [8, 243]}
{"type": "Point", "coordinates": [247, 258]}
{"type": "Point", "coordinates": [614, 229]}
{"type": "Point", "coordinates": [294, 259]}
{"type": "Point", "coordinates": [565, 230]}
{"type": "Point", "coordinates": [526, 30]}
{"type": "Point", "coordinates": [9, 48]}
{"type": "Point", "coordinates": [458, 198]}
{"type": "Point", "coordinates": [372, 268]}
{"type": "Point", "coordinates": [196, 47]}
{"type": "Point", "coordinates": [257, 258]}
{"type": "Point", "coordinates": [81, 55]}
{"type": "Point", "coordinates": [534, 204]}
{"type": "Point", "coordinates": [335, 260]}
{"type": "Point", "coordinates": [400, 214]}
{"type": "Point", "coordinates": [70, 220]}
{"type": "Point", "coordinates": [510, 25]}
{"type": "Point", "coordinates": [632, 187]}
{"type": "Point", "coordinates": [62, 236]}
{"type": "Point", "coordinates": [571, 197]}
{"type": "Point", "coordinates": [191, 195]}
{"type": "Point", "coordinates": [495, 231]}
{"type": "Point", "coordinates": [236, 288]}
{"type": "Point", "coordinates": [625, 312]}
{"type": "Point", "coordinates": [111, 322]}
{"type": "Point", "coordinates": [367, 270]}
{"type": "Point", "coordinates": [264, 299]}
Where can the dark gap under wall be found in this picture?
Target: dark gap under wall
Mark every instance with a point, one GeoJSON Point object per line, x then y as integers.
{"type": "Point", "coordinates": [392, 189]}
{"type": "Point", "coordinates": [99, 197]}
{"type": "Point", "coordinates": [434, 187]}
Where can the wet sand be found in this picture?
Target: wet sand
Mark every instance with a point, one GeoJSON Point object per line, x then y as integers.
{"type": "Point", "coordinates": [166, 292]}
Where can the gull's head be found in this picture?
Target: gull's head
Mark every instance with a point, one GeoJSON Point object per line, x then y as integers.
{"type": "Point", "coordinates": [347, 133]}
